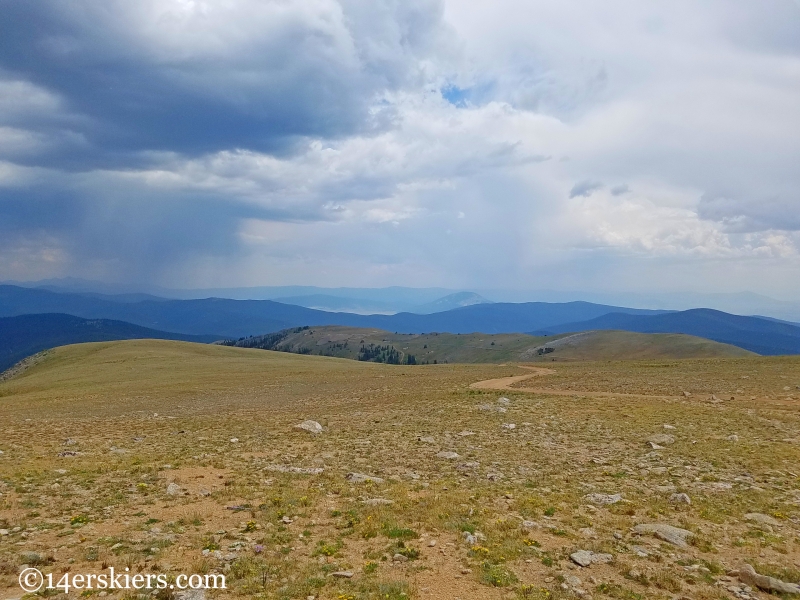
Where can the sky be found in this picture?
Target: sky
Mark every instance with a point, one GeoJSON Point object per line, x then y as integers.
{"type": "Point", "coordinates": [619, 146]}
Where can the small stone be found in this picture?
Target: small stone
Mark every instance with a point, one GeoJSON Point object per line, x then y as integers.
{"type": "Point", "coordinates": [680, 498]}
{"type": "Point", "coordinates": [640, 552]}
{"type": "Point", "coordinates": [761, 519]}
{"type": "Point", "coordinates": [661, 439]}
{"type": "Point", "coordinates": [603, 498]}
{"type": "Point", "coordinates": [466, 571]}
{"type": "Point", "coordinates": [310, 426]}
{"type": "Point", "coordinates": [234, 440]}
{"type": "Point", "coordinates": [342, 574]}
{"type": "Point", "coordinates": [378, 502]}
{"type": "Point", "coordinates": [173, 489]}
{"type": "Point", "coordinates": [686, 394]}
{"type": "Point", "coordinates": [509, 426]}
{"type": "Point", "coordinates": [668, 426]}
{"type": "Point", "coordinates": [431, 543]}
{"type": "Point", "coordinates": [668, 533]}
{"type": "Point", "coordinates": [286, 520]}
{"type": "Point", "coordinates": [504, 400]}
{"type": "Point", "coordinates": [530, 525]}
{"type": "Point", "coordinates": [733, 438]}
{"type": "Point", "coordinates": [426, 439]}
{"type": "Point", "coordinates": [362, 478]}
{"type": "Point", "coordinates": [466, 433]}
{"type": "Point", "coordinates": [747, 574]}
{"type": "Point", "coordinates": [573, 581]}
{"type": "Point", "coordinates": [191, 594]}
{"type": "Point", "coordinates": [447, 455]}
{"type": "Point", "coordinates": [582, 558]}
{"type": "Point", "coordinates": [400, 558]}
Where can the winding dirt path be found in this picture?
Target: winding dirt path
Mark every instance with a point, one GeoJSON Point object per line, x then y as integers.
{"type": "Point", "coordinates": [507, 383]}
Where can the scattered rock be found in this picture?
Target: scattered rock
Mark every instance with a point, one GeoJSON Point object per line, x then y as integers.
{"type": "Point", "coordinates": [494, 476]}
{"type": "Point", "coordinates": [747, 574]}
{"type": "Point", "coordinates": [661, 439]}
{"type": "Point", "coordinates": [761, 519]}
{"type": "Point", "coordinates": [504, 400]}
{"type": "Point", "coordinates": [509, 426]}
{"type": "Point", "coordinates": [733, 438]}
{"type": "Point", "coordinates": [291, 469]}
{"type": "Point", "coordinates": [584, 558]}
{"type": "Point", "coordinates": [342, 574]}
{"type": "Point", "coordinates": [67, 453]}
{"type": "Point", "coordinates": [362, 478]}
{"type": "Point", "coordinates": [668, 426]}
{"type": "Point", "coordinates": [655, 446]}
{"type": "Point", "coordinates": [668, 533]}
{"type": "Point", "coordinates": [603, 498]}
{"type": "Point", "coordinates": [426, 439]}
{"type": "Point", "coordinates": [173, 489]}
{"type": "Point", "coordinates": [640, 552]}
{"type": "Point", "coordinates": [399, 558]}
{"type": "Point", "coordinates": [234, 440]}
{"type": "Point", "coordinates": [530, 525]}
{"type": "Point", "coordinates": [680, 498]}
{"type": "Point", "coordinates": [467, 466]}
{"type": "Point", "coordinates": [286, 520]}
{"type": "Point", "coordinates": [466, 432]}
{"type": "Point", "coordinates": [378, 502]}
{"type": "Point", "coordinates": [311, 427]}
{"type": "Point", "coordinates": [686, 394]}
{"type": "Point", "coordinates": [432, 543]}
{"type": "Point", "coordinates": [447, 455]}
{"type": "Point", "coordinates": [191, 594]}
{"type": "Point", "coordinates": [4, 532]}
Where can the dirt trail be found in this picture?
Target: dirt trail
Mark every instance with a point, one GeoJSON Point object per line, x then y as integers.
{"type": "Point", "coordinates": [508, 383]}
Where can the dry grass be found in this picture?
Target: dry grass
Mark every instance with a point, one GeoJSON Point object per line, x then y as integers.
{"type": "Point", "coordinates": [142, 414]}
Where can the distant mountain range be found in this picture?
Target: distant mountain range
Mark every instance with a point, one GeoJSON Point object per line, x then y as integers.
{"type": "Point", "coordinates": [236, 318]}
{"type": "Point", "coordinates": [28, 334]}
{"type": "Point", "coordinates": [757, 334]}
{"type": "Point", "coordinates": [218, 317]}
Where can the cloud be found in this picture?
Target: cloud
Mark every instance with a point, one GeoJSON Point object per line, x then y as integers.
{"type": "Point", "coordinates": [744, 215]}
{"type": "Point", "coordinates": [246, 142]}
{"type": "Point", "coordinates": [584, 188]}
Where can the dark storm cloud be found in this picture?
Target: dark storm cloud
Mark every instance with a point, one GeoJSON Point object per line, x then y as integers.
{"type": "Point", "coordinates": [255, 75]}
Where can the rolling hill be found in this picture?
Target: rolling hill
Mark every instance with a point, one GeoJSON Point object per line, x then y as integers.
{"type": "Point", "coordinates": [25, 335]}
{"type": "Point", "coordinates": [760, 335]}
{"type": "Point", "coordinates": [375, 345]}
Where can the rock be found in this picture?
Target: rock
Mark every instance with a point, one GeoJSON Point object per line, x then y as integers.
{"type": "Point", "coordinates": [286, 520]}
{"type": "Point", "coordinates": [191, 594]}
{"type": "Point", "coordinates": [4, 532]}
{"type": "Point", "coordinates": [311, 427]}
{"type": "Point", "coordinates": [234, 440]}
{"type": "Point", "coordinates": [431, 544]}
{"type": "Point", "coordinates": [447, 455]}
{"type": "Point", "coordinates": [469, 465]}
{"type": "Point", "coordinates": [530, 525]}
{"type": "Point", "coordinates": [761, 519]}
{"type": "Point", "coordinates": [748, 575]}
{"type": "Point", "coordinates": [378, 502]}
{"type": "Point", "coordinates": [342, 574]}
{"type": "Point", "coordinates": [173, 489]}
{"type": "Point", "coordinates": [680, 498]}
{"type": "Point", "coordinates": [466, 432]}
{"type": "Point", "coordinates": [362, 478]}
{"type": "Point", "coordinates": [668, 533]}
{"type": "Point", "coordinates": [494, 476]}
{"type": "Point", "coordinates": [655, 446]}
{"type": "Point", "coordinates": [640, 552]}
{"type": "Point", "coordinates": [509, 426]}
{"type": "Point", "coordinates": [573, 581]}
{"type": "Point", "coordinates": [581, 557]}
{"type": "Point", "coordinates": [686, 394]}
{"type": "Point", "coordinates": [426, 439]}
{"type": "Point", "coordinates": [470, 538]}
{"type": "Point", "coordinates": [603, 498]}
{"type": "Point", "coordinates": [584, 558]}
{"type": "Point", "coordinates": [733, 438]}
{"type": "Point", "coordinates": [399, 558]}
{"type": "Point", "coordinates": [668, 426]}
{"type": "Point", "coordinates": [291, 469]}
{"type": "Point", "coordinates": [504, 400]}
{"type": "Point", "coordinates": [661, 439]}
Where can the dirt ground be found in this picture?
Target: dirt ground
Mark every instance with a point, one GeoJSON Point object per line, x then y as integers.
{"type": "Point", "coordinates": [162, 457]}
